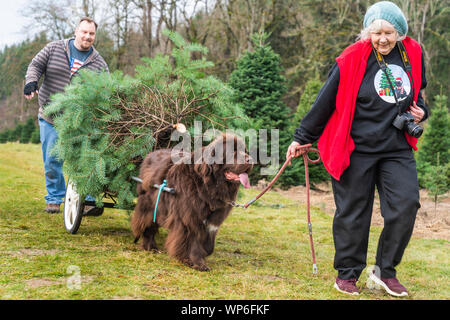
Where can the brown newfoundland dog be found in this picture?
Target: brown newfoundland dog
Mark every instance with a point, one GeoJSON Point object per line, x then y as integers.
{"type": "Point", "coordinates": [205, 186]}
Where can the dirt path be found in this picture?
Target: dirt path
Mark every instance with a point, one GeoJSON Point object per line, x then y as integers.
{"type": "Point", "coordinates": [429, 223]}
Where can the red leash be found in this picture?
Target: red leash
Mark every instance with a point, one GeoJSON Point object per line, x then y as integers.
{"type": "Point", "coordinates": [306, 160]}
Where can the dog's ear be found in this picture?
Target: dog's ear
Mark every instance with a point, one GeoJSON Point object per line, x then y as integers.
{"type": "Point", "coordinates": [203, 169]}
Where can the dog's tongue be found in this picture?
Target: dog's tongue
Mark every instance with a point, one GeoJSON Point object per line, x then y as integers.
{"type": "Point", "coordinates": [243, 177]}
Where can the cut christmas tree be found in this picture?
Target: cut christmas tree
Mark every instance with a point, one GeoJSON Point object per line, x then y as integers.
{"type": "Point", "coordinates": [107, 123]}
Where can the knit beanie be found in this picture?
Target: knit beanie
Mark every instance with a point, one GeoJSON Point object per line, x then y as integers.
{"type": "Point", "coordinates": [388, 11]}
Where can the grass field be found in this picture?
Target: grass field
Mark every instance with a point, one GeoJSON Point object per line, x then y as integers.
{"type": "Point", "coordinates": [261, 253]}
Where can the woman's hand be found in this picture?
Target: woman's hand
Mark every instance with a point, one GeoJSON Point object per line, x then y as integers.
{"type": "Point", "coordinates": [295, 150]}
{"type": "Point", "coordinates": [417, 112]}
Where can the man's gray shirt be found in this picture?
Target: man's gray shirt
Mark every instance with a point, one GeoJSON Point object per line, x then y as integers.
{"type": "Point", "coordinates": [53, 61]}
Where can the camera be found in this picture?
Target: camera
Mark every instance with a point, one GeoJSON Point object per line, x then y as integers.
{"type": "Point", "coordinates": [405, 121]}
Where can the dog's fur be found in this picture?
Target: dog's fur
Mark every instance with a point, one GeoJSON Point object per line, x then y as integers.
{"type": "Point", "coordinates": [201, 203]}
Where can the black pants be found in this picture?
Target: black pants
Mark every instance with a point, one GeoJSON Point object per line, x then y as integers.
{"type": "Point", "coordinates": [395, 176]}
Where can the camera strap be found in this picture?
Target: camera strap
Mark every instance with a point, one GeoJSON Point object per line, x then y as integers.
{"type": "Point", "coordinates": [406, 64]}
{"type": "Point", "coordinates": [405, 58]}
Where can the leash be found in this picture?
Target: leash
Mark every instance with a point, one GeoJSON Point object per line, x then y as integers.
{"type": "Point", "coordinates": [306, 160]}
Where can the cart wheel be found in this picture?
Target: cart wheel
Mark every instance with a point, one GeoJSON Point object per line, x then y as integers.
{"type": "Point", "coordinates": [73, 208]}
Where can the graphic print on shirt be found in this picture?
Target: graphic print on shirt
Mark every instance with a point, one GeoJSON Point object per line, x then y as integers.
{"type": "Point", "coordinates": [399, 80]}
{"type": "Point", "coordinates": [75, 64]}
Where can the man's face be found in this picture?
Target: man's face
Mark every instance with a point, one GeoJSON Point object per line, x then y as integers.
{"type": "Point", "coordinates": [85, 35]}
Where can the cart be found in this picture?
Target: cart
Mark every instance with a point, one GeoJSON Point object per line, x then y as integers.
{"type": "Point", "coordinates": [74, 204]}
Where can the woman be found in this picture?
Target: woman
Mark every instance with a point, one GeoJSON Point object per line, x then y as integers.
{"type": "Point", "coordinates": [362, 149]}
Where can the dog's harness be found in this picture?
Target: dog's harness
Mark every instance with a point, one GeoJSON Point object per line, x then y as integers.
{"type": "Point", "coordinates": [161, 187]}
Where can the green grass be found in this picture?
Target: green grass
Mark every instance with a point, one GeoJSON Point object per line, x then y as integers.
{"type": "Point", "coordinates": [261, 253]}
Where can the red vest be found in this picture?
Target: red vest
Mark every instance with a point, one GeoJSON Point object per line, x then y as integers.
{"type": "Point", "coordinates": [335, 143]}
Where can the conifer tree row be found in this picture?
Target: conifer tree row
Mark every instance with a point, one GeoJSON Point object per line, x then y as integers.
{"type": "Point", "coordinates": [434, 148]}
{"type": "Point", "coordinates": [23, 133]}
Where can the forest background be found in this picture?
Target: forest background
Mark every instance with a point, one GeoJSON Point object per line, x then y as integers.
{"type": "Point", "coordinates": [307, 35]}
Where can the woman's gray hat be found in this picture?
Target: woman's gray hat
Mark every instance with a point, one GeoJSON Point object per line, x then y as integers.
{"type": "Point", "coordinates": [388, 11]}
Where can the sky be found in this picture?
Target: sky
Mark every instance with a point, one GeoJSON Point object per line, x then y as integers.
{"type": "Point", "coordinates": [12, 23]}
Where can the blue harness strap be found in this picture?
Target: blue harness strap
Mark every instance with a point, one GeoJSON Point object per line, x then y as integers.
{"type": "Point", "coordinates": [161, 188]}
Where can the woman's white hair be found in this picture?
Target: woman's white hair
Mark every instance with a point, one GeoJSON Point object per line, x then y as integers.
{"type": "Point", "coordinates": [376, 26]}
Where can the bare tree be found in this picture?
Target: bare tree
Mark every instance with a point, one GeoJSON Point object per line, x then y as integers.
{"type": "Point", "coordinates": [146, 22]}
{"type": "Point", "coordinates": [120, 27]}
{"type": "Point", "coordinates": [50, 16]}
{"type": "Point", "coordinates": [88, 8]}
{"type": "Point", "coordinates": [58, 18]}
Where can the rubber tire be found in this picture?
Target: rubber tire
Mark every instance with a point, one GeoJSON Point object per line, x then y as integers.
{"type": "Point", "coordinates": [73, 208]}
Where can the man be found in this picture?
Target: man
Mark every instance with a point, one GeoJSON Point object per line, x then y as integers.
{"type": "Point", "coordinates": [59, 62]}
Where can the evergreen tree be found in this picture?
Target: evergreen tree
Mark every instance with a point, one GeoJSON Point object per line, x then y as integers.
{"type": "Point", "coordinates": [307, 99]}
{"type": "Point", "coordinates": [15, 134]}
{"type": "Point", "coordinates": [36, 136]}
{"type": "Point", "coordinates": [436, 138]}
{"type": "Point", "coordinates": [259, 85]}
{"type": "Point", "coordinates": [8, 134]}
{"type": "Point", "coordinates": [179, 73]}
{"type": "Point", "coordinates": [4, 135]}
{"type": "Point", "coordinates": [259, 88]}
{"type": "Point", "coordinates": [27, 131]}
{"type": "Point", "coordinates": [437, 179]}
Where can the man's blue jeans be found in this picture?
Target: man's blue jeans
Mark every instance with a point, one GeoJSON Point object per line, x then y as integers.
{"type": "Point", "coordinates": [54, 177]}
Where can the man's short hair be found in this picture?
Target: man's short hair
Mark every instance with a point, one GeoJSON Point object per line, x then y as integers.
{"type": "Point", "coordinates": [89, 20]}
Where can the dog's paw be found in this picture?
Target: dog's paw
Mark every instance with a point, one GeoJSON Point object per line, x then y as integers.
{"type": "Point", "coordinates": [151, 248]}
{"type": "Point", "coordinates": [187, 262]}
{"type": "Point", "coordinates": [201, 267]}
